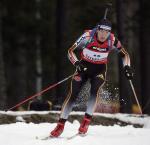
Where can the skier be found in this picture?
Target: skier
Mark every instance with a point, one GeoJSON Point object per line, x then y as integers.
{"type": "Point", "coordinates": [94, 47]}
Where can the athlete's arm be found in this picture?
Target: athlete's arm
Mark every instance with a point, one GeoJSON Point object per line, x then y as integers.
{"type": "Point", "coordinates": [122, 52]}
{"type": "Point", "coordinates": [71, 55]}
{"type": "Point", "coordinates": [80, 43]}
{"type": "Point", "coordinates": [125, 57]}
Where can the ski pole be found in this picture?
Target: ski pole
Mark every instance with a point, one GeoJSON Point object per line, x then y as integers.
{"type": "Point", "coordinates": [108, 6]}
{"type": "Point", "coordinates": [39, 93]}
{"type": "Point", "coordinates": [135, 96]}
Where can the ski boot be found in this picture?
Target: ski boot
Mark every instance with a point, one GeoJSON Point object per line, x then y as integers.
{"type": "Point", "coordinates": [85, 124]}
{"type": "Point", "coordinates": [58, 129]}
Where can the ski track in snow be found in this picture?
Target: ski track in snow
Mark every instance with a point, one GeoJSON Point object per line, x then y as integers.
{"type": "Point", "coordinates": [21, 133]}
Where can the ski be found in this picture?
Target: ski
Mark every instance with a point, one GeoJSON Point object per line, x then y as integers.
{"type": "Point", "coordinates": [44, 138]}
{"type": "Point", "coordinates": [68, 138]}
{"type": "Point", "coordinates": [75, 135]}
{"type": "Point", "coordinates": [48, 137]}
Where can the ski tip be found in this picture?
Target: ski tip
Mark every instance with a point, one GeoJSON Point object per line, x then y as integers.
{"type": "Point", "coordinates": [42, 138]}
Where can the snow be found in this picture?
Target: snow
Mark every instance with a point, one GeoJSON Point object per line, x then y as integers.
{"type": "Point", "coordinates": [22, 133]}
{"type": "Point", "coordinates": [134, 118]}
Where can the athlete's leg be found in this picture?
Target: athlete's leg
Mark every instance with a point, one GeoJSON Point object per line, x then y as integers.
{"type": "Point", "coordinates": [96, 84]}
{"type": "Point", "coordinates": [75, 87]}
{"type": "Point", "coordinates": [76, 84]}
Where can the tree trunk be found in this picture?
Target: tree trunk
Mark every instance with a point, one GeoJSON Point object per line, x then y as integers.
{"type": "Point", "coordinates": [2, 71]}
{"type": "Point", "coordinates": [145, 53]}
{"type": "Point", "coordinates": [125, 100]}
{"type": "Point", "coordinates": [38, 52]}
{"type": "Point", "coordinates": [59, 47]}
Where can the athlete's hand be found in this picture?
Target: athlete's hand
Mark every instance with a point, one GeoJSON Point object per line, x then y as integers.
{"type": "Point", "coordinates": [128, 72]}
{"type": "Point", "coordinates": [80, 67]}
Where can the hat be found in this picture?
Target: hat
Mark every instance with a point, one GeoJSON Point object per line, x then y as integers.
{"type": "Point", "coordinates": [105, 24]}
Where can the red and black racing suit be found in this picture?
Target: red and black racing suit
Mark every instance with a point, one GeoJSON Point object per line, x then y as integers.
{"type": "Point", "coordinates": [93, 55]}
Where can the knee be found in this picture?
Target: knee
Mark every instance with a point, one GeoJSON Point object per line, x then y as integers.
{"type": "Point", "coordinates": [97, 86]}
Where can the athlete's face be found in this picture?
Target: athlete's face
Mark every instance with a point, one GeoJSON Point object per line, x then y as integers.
{"type": "Point", "coordinates": [102, 35]}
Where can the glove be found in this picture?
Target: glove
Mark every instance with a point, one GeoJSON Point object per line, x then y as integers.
{"type": "Point", "coordinates": [80, 67]}
{"type": "Point", "coordinates": [128, 72]}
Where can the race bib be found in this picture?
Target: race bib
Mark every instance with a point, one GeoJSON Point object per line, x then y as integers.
{"type": "Point", "coordinates": [94, 56]}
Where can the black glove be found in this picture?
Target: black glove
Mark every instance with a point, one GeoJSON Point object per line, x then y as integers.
{"type": "Point", "coordinates": [128, 72]}
{"type": "Point", "coordinates": [80, 67]}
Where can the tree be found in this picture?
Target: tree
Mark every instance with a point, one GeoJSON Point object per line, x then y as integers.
{"type": "Point", "coordinates": [125, 100]}
{"type": "Point", "coordinates": [145, 53]}
{"type": "Point", "coordinates": [60, 27]}
{"type": "Point", "coordinates": [128, 14]}
{"type": "Point", "coordinates": [3, 97]}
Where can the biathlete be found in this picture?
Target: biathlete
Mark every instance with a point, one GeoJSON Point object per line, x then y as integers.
{"type": "Point", "coordinates": [94, 47]}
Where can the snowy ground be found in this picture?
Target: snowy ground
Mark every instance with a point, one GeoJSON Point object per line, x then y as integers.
{"type": "Point", "coordinates": [21, 133]}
